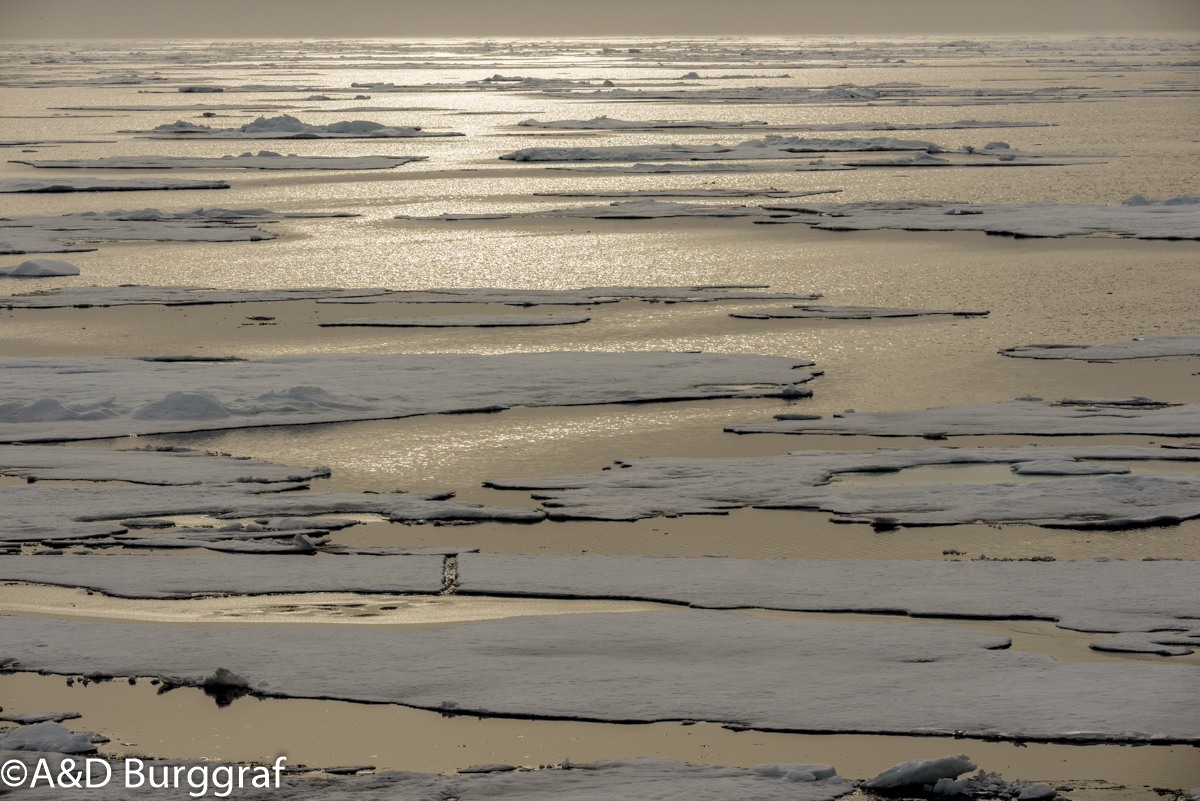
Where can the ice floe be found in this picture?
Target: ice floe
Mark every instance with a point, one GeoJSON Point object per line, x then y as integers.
{"type": "Point", "coordinates": [40, 268]}
{"type": "Point", "coordinates": [79, 397]}
{"type": "Point", "coordinates": [646, 666]}
{"type": "Point", "coordinates": [920, 772]}
{"type": "Point", "coordinates": [286, 126]}
{"type": "Point", "coordinates": [214, 224]}
{"type": "Point", "coordinates": [458, 321]}
{"type": "Point", "coordinates": [849, 313]}
{"type": "Point", "coordinates": [701, 192]}
{"type": "Point", "coordinates": [161, 465]}
{"type": "Point", "coordinates": [51, 513]}
{"type": "Point", "coordinates": [818, 165]}
{"type": "Point", "coordinates": [1026, 415]}
{"type": "Point", "coordinates": [1102, 597]}
{"type": "Point", "coordinates": [185, 576]}
{"type": "Point", "coordinates": [605, 780]}
{"type": "Point", "coordinates": [12, 185]}
{"type": "Point", "coordinates": [643, 209]}
{"type": "Point", "coordinates": [1173, 218]}
{"type": "Point", "coordinates": [587, 296]}
{"type": "Point", "coordinates": [769, 147]}
{"type": "Point", "coordinates": [604, 123]}
{"type": "Point", "coordinates": [1144, 347]}
{"type": "Point", "coordinates": [1103, 496]}
{"type": "Point", "coordinates": [48, 736]}
{"type": "Point", "coordinates": [137, 295]}
{"type": "Point", "coordinates": [263, 160]}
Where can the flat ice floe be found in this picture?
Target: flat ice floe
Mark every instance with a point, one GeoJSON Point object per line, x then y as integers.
{"type": "Point", "coordinates": [215, 224]}
{"type": "Point", "coordinates": [286, 126]}
{"type": "Point", "coordinates": [164, 465]}
{"type": "Point", "coordinates": [879, 95]}
{"type": "Point", "coordinates": [40, 268]}
{"type": "Point", "coordinates": [263, 160]}
{"type": "Point", "coordinates": [769, 147]}
{"type": "Point", "coordinates": [81, 398]}
{"type": "Point", "coordinates": [1086, 596]}
{"type": "Point", "coordinates": [139, 295]}
{"type": "Point", "coordinates": [1097, 496]}
{"type": "Point", "coordinates": [185, 576]}
{"type": "Point", "coordinates": [1136, 217]}
{"type": "Point", "coordinates": [849, 313]}
{"type": "Point", "coordinates": [700, 192]}
{"type": "Point", "coordinates": [587, 296]}
{"type": "Point", "coordinates": [12, 185]}
{"type": "Point", "coordinates": [642, 209]}
{"type": "Point", "coordinates": [189, 295]}
{"type": "Point", "coordinates": [708, 167]}
{"type": "Point", "coordinates": [58, 514]}
{"type": "Point", "coordinates": [604, 123]}
{"type": "Point", "coordinates": [1026, 415]}
{"type": "Point", "coordinates": [458, 321]}
{"type": "Point", "coordinates": [801, 675]}
{"type": "Point", "coordinates": [1143, 347]}
{"type": "Point", "coordinates": [606, 780]}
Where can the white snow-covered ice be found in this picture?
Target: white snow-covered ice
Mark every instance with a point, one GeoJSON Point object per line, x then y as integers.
{"type": "Point", "coordinates": [459, 321]}
{"type": "Point", "coordinates": [791, 675]}
{"type": "Point", "coordinates": [1025, 415]}
{"type": "Point", "coordinates": [80, 397]}
{"type": "Point", "coordinates": [30, 185]}
{"type": "Point", "coordinates": [1149, 346]}
{"type": "Point", "coordinates": [1173, 218]}
{"type": "Point", "coordinates": [1097, 496]}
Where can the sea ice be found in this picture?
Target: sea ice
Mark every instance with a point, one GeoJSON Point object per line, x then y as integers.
{"type": "Point", "coordinates": [849, 313]}
{"type": "Point", "coordinates": [40, 268]}
{"type": "Point", "coordinates": [608, 780]}
{"type": "Point", "coordinates": [1144, 347]}
{"type": "Point", "coordinates": [459, 321]}
{"type": "Point", "coordinates": [771, 146]}
{"type": "Point", "coordinates": [51, 398]}
{"type": "Point", "coordinates": [678, 486]}
{"type": "Point", "coordinates": [163, 466]}
{"type": "Point", "coordinates": [263, 160]}
{"type": "Point", "coordinates": [286, 126]}
{"type": "Point", "coordinates": [645, 209]}
{"type": "Point", "coordinates": [587, 296]}
{"type": "Point", "coordinates": [1174, 218]}
{"type": "Point", "coordinates": [27, 718]}
{"type": "Point", "coordinates": [705, 192]}
{"type": "Point", "coordinates": [603, 123]}
{"type": "Point", "coordinates": [136, 295]}
{"type": "Point", "coordinates": [1103, 597]}
{"type": "Point", "coordinates": [792, 675]}
{"type": "Point", "coordinates": [185, 576]}
{"type": "Point", "coordinates": [48, 736]}
{"type": "Point", "coordinates": [920, 772]}
{"type": "Point", "coordinates": [818, 165]}
{"type": "Point", "coordinates": [9, 185]}
{"type": "Point", "coordinates": [1032, 416]}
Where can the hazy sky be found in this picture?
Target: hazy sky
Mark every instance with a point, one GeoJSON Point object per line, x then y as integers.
{"type": "Point", "coordinates": [38, 19]}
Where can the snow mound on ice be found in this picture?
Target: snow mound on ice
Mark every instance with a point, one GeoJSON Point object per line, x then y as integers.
{"type": "Point", "coordinates": [48, 736]}
{"type": "Point", "coordinates": [40, 268]}
{"type": "Point", "coordinates": [920, 772]}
